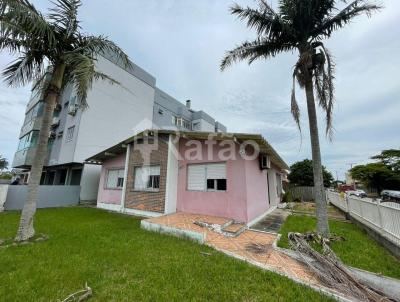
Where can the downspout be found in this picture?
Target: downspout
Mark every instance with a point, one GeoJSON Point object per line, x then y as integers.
{"type": "Point", "coordinates": [128, 152]}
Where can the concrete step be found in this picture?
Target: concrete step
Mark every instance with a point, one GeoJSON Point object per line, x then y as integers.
{"type": "Point", "coordinates": [235, 228]}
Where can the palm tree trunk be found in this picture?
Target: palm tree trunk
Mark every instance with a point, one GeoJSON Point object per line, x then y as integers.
{"type": "Point", "coordinates": [319, 191]}
{"type": "Point", "coordinates": [26, 229]}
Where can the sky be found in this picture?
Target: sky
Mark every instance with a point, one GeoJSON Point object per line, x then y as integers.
{"type": "Point", "coordinates": [182, 42]}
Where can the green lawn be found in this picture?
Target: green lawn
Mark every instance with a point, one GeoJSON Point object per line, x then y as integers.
{"type": "Point", "coordinates": [358, 250]}
{"type": "Point", "coordinates": [121, 262]}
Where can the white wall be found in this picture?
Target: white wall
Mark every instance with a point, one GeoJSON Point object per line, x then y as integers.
{"type": "Point", "coordinates": [203, 125]}
{"type": "Point", "coordinates": [114, 112]}
{"type": "Point", "coordinates": [171, 193]}
{"type": "Point", "coordinates": [3, 196]}
{"type": "Point", "coordinates": [90, 182]}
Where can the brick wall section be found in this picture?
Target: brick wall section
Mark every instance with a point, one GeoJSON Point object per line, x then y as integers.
{"type": "Point", "coordinates": [143, 200]}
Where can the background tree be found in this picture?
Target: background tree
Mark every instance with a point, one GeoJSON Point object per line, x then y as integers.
{"type": "Point", "coordinates": [3, 163]}
{"type": "Point", "coordinates": [301, 25]}
{"type": "Point", "coordinates": [384, 174]}
{"type": "Point", "coordinates": [301, 174]}
{"type": "Point", "coordinates": [377, 175]}
{"type": "Point", "coordinates": [390, 158]}
{"type": "Point", "coordinates": [51, 52]}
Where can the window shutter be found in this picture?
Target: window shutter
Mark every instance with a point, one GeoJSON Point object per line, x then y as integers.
{"type": "Point", "coordinates": [141, 177]}
{"type": "Point", "coordinates": [154, 170]}
{"type": "Point", "coordinates": [196, 177]}
{"type": "Point", "coordinates": [216, 171]}
{"type": "Point", "coordinates": [112, 178]}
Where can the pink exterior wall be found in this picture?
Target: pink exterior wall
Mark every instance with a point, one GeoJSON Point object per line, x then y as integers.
{"type": "Point", "coordinates": [245, 199]}
{"type": "Point", "coordinates": [111, 196]}
{"type": "Point", "coordinates": [257, 190]}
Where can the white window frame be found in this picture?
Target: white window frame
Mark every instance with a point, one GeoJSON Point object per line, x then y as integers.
{"type": "Point", "coordinates": [145, 187]}
{"type": "Point", "coordinates": [206, 177]}
{"type": "Point", "coordinates": [70, 134]}
{"type": "Point", "coordinates": [120, 175]}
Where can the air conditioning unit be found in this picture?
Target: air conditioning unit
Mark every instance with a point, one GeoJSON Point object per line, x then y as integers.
{"type": "Point", "coordinates": [55, 122]}
{"type": "Point", "coordinates": [52, 134]}
{"type": "Point", "coordinates": [265, 162]}
{"type": "Point", "coordinates": [72, 109]}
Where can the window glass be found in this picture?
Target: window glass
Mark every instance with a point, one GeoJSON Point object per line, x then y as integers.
{"type": "Point", "coordinates": [115, 178]}
{"type": "Point", "coordinates": [29, 140]}
{"type": "Point", "coordinates": [147, 178]}
{"type": "Point", "coordinates": [206, 177]}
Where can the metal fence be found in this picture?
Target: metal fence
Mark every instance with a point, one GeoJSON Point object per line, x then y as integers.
{"type": "Point", "coordinates": [384, 218]}
{"type": "Point", "coordinates": [49, 196]}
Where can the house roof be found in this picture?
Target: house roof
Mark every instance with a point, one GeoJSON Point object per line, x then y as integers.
{"type": "Point", "coordinates": [265, 147]}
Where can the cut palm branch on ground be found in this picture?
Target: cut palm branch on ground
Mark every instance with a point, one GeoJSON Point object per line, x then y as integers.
{"type": "Point", "coordinates": [330, 270]}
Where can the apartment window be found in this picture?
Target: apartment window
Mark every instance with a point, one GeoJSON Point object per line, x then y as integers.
{"type": "Point", "coordinates": [147, 178]}
{"type": "Point", "coordinates": [181, 122]}
{"type": "Point", "coordinates": [206, 177]}
{"type": "Point", "coordinates": [70, 134]}
{"type": "Point", "coordinates": [34, 112]}
{"type": "Point", "coordinates": [29, 140]}
{"type": "Point", "coordinates": [115, 179]}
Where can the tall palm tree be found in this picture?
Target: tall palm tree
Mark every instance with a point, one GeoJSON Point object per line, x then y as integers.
{"type": "Point", "coordinates": [52, 52]}
{"type": "Point", "coordinates": [301, 25]}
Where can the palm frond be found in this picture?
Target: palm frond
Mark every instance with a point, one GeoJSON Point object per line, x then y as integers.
{"type": "Point", "coordinates": [12, 45]}
{"type": "Point", "coordinates": [64, 15]}
{"type": "Point", "coordinates": [23, 70]}
{"type": "Point", "coordinates": [323, 79]}
{"type": "Point", "coordinates": [294, 107]}
{"type": "Point", "coordinates": [265, 21]}
{"type": "Point", "coordinates": [259, 48]}
{"type": "Point", "coordinates": [81, 73]}
{"type": "Point", "coordinates": [355, 8]}
{"type": "Point", "coordinates": [20, 18]}
{"type": "Point", "coordinates": [100, 45]}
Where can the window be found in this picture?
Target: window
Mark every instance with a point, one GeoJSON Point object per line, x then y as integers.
{"type": "Point", "coordinates": [29, 140]}
{"type": "Point", "coordinates": [206, 177]}
{"type": "Point", "coordinates": [147, 178]}
{"type": "Point", "coordinates": [34, 112]}
{"type": "Point", "coordinates": [70, 134]}
{"type": "Point", "coordinates": [115, 179]}
{"type": "Point", "coordinates": [181, 122]}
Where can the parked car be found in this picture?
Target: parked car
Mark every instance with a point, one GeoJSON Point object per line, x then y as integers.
{"type": "Point", "coordinates": [357, 193]}
{"type": "Point", "coordinates": [390, 195]}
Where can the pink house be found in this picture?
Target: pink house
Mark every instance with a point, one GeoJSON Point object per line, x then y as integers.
{"type": "Point", "coordinates": [157, 172]}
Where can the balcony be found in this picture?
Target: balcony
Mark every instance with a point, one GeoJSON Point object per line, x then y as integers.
{"type": "Point", "coordinates": [33, 124]}
{"type": "Point", "coordinates": [24, 158]}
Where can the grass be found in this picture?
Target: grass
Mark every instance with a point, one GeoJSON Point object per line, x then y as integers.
{"type": "Point", "coordinates": [310, 208]}
{"type": "Point", "coordinates": [358, 250]}
{"type": "Point", "coordinates": [121, 262]}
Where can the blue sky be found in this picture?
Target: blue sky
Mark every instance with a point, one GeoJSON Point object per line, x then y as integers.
{"type": "Point", "coordinates": [181, 42]}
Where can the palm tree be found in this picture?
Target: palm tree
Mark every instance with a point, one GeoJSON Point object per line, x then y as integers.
{"type": "Point", "coordinates": [301, 25]}
{"type": "Point", "coordinates": [52, 52]}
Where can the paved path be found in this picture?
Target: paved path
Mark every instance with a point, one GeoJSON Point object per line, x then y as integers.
{"type": "Point", "coordinates": [250, 245]}
{"type": "Point", "coordinates": [272, 222]}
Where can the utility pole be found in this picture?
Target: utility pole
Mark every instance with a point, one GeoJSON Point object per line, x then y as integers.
{"type": "Point", "coordinates": [351, 166]}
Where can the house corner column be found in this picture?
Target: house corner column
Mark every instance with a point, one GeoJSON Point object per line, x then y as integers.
{"type": "Point", "coordinates": [128, 152]}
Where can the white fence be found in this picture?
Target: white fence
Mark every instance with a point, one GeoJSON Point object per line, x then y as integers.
{"type": "Point", "coordinates": [384, 218]}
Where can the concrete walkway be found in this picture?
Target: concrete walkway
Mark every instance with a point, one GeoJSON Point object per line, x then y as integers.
{"type": "Point", "coordinates": [272, 222]}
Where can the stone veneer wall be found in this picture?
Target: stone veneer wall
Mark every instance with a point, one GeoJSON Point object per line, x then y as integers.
{"type": "Point", "coordinates": [145, 200]}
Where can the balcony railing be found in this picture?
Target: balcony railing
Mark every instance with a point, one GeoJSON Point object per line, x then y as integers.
{"type": "Point", "coordinates": [24, 157]}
